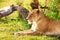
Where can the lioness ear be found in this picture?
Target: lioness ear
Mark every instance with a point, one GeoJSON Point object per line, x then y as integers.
{"type": "Point", "coordinates": [37, 11]}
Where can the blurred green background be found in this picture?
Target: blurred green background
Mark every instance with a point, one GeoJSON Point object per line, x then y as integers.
{"type": "Point", "coordinates": [15, 22]}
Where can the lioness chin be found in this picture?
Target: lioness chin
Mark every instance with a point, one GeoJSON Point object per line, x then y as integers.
{"type": "Point", "coordinates": [41, 24]}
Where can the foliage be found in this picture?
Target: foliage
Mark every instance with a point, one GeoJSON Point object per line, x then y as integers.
{"type": "Point", "coordinates": [15, 22]}
{"type": "Point", "coordinates": [54, 10]}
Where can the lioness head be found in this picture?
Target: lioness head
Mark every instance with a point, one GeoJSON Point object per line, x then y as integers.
{"type": "Point", "coordinates": [32, 16]}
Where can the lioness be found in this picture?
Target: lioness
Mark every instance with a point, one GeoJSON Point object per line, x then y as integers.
{"type": "Point", "coordinates": [41, 23]}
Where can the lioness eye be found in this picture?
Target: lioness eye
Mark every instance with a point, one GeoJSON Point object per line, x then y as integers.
{"type": "Point", "coordinates": [31, 14]}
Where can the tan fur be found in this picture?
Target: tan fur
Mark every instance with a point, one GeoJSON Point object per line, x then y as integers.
{"type": "Point", "coordinates": [41, 24]}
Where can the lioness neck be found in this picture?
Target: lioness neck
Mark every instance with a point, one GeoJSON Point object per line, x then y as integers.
{"type": "Point", "coordinates": [42, 16]}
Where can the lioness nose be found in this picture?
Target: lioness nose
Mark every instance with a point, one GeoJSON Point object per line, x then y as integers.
{"type": "Point", "coordinates": [26, 18]}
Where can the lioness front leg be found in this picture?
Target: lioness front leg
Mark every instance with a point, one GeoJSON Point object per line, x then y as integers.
{"type": "Point", "coordinates": [31, 31]}
{"type": "Point", "coordinates": [26, 32]}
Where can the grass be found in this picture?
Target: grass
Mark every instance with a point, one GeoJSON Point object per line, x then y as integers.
{"type": "Point", "coordinates": [12, 24]}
